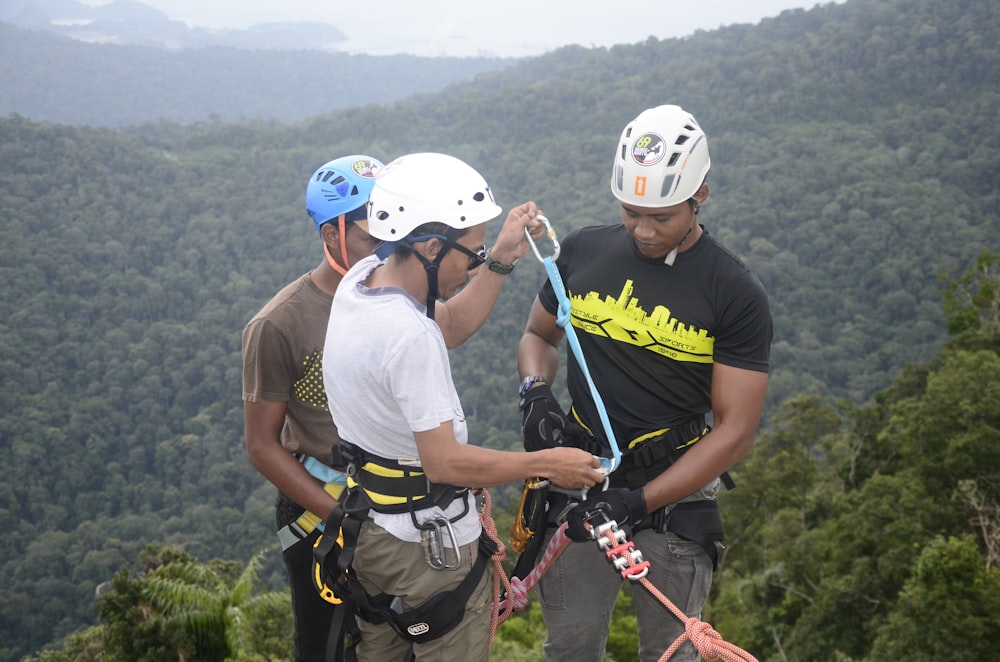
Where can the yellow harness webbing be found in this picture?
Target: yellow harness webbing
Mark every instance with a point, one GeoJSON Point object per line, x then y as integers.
{"type": "Point", "coordinates": [307, 522]}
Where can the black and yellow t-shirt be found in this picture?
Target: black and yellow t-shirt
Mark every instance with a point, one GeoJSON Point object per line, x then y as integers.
{"type": "Point", "coordinates": [650, 333]}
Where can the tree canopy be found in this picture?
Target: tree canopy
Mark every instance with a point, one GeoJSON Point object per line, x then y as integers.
{"type": "Point", "coordinates": [855, 159]}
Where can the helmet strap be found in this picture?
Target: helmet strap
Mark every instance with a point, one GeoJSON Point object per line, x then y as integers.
{"type": "Point", "coordinates": [432, 288]}
{"type": "Point", "coordinates": [342, 228]}
{"type": "Point", "coordinates": [432, 277]}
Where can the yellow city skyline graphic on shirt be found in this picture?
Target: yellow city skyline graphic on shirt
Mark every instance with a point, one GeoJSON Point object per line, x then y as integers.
{"type": "Point", "coordinates": [623, 319]}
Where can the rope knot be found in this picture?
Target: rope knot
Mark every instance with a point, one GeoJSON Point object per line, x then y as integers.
{"type": "Point", "coordinates": [518, 594]}
{"type": "Point", "coordinates": [702, 635]}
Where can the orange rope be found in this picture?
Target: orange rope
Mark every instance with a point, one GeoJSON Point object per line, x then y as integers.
{"type": "Point", "coordinates": [499, 575]}
{"type": "Point", "coordinates": [709, 643]}
{"type": "Point", "coordinates": [703, 637]}
{"type": "Point", "coordinates": [706, 640]}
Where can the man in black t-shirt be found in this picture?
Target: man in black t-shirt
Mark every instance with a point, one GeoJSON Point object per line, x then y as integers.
{"type": "Point", "coordinates": [674, 330]}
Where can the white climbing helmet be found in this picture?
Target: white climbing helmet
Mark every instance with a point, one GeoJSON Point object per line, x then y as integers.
{"type": "Point", "coordinates": [427, 188]}
{"type": "Point", "coordinates": [662, 158]}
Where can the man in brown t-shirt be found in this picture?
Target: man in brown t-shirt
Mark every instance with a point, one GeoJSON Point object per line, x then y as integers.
{"type": "Point", "coordinates": [287, 422]}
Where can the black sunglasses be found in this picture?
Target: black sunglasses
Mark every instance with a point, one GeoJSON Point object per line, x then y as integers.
{"type": "Point", "coordinates": [476, 258]}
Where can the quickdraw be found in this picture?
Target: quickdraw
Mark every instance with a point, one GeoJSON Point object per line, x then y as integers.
{"type": "Point", "coordinates": [563, 319]}
{"type": "Point", "coordinates": [519, 534]}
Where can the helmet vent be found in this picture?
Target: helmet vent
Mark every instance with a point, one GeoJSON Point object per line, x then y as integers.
{"type": "Point", "coordinates": [673, 159]}
{"type": "Point", "coordinates": [479, 197]}
{"type": "Point", "coordinates": [668, 184]}
{"type": "Point", "coordinates": [681, 140]}
{"type": "Point", "coordinates": [382, 215]}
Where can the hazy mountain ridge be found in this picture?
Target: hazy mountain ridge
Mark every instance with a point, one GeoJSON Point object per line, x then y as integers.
{"type": "Point", "coordinates": [51, 78]}
{"type": "Point", "coordinates": [127, 22]}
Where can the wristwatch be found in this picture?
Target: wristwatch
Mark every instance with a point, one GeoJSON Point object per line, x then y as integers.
{"type": "Point", "coordinates": [499, 267]}
{"type": "Point", "coordinates": [528, 382]}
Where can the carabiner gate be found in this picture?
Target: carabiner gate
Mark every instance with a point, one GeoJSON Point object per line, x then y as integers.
{"type": "Point", "coordinates": [550, 233]}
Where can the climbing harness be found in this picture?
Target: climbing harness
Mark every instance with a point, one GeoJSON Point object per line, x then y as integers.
{"type": "Point", "coordinates": [397, 486]}
{"type": "Point", "coordinates": [304, 525]}
{"type": "Point", "coordinates": [319, 582]}
{"type": "Point", "coordinates": [333, 483]}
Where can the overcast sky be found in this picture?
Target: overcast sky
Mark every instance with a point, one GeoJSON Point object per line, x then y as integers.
{"type": "Point", "coordinates": [514, 28]}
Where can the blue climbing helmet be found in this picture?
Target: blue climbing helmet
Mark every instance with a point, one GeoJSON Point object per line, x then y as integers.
{"type": "Point", "coordinates": [340, 187]}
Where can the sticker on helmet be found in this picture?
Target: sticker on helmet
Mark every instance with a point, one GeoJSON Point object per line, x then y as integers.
{"type": "Point", "coordinates": [365, 168]}
{"type": "Point", "coordinates": [648, 149]}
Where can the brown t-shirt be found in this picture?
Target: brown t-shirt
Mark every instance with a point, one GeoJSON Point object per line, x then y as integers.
{"type": "Point", "coordinates": [283, 362]}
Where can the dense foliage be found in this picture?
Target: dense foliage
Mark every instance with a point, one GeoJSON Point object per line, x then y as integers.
{"type": "Point", "coordinates": [855, 160]}
{"type": "Point", "coordinates": [873, 532]}
{"type": "Point", "coordinates": [179, 609]}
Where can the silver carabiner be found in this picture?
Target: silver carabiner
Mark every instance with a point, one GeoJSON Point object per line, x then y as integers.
{"type": "Point", "coordinates": [432, 540]}
{"type": "Point", "coordinates": [550, 233]}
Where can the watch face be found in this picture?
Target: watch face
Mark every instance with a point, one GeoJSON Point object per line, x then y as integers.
{"type": "Point", "coordinates": [528, 382]}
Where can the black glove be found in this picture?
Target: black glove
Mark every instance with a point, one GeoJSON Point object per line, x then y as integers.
{"type": "Point", "coordinates": [542, 419]}
{"type": "Point", "coordinates": [624, 506]}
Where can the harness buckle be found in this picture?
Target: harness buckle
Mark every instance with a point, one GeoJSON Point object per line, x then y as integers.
{"type": "Point", "coordinates": [432, 539]}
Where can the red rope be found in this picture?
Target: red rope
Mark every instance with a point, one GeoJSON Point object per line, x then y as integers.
{"type": "Point", "coordinates": [499, 574]}
{"type": "Point", "coordinates": [709, 643]}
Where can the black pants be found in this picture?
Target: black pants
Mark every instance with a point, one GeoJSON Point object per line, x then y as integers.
{"type": "Point", "coordinates": [313, 615]}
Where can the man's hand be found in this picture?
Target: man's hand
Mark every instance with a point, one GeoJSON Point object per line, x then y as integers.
{"type": "Point", "coordinates": [543, 422]}
{"type": "Point", "coordinates": [626, 507]}
{"type": "Point", "coordinates": [511, 243]}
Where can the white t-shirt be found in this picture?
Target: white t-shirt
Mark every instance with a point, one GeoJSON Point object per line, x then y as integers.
{"type": "Point", "coordinates": [387, 375]}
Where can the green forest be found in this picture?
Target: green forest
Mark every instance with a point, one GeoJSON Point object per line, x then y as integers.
{"type": "Point", "coordinates": [856, 169]}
